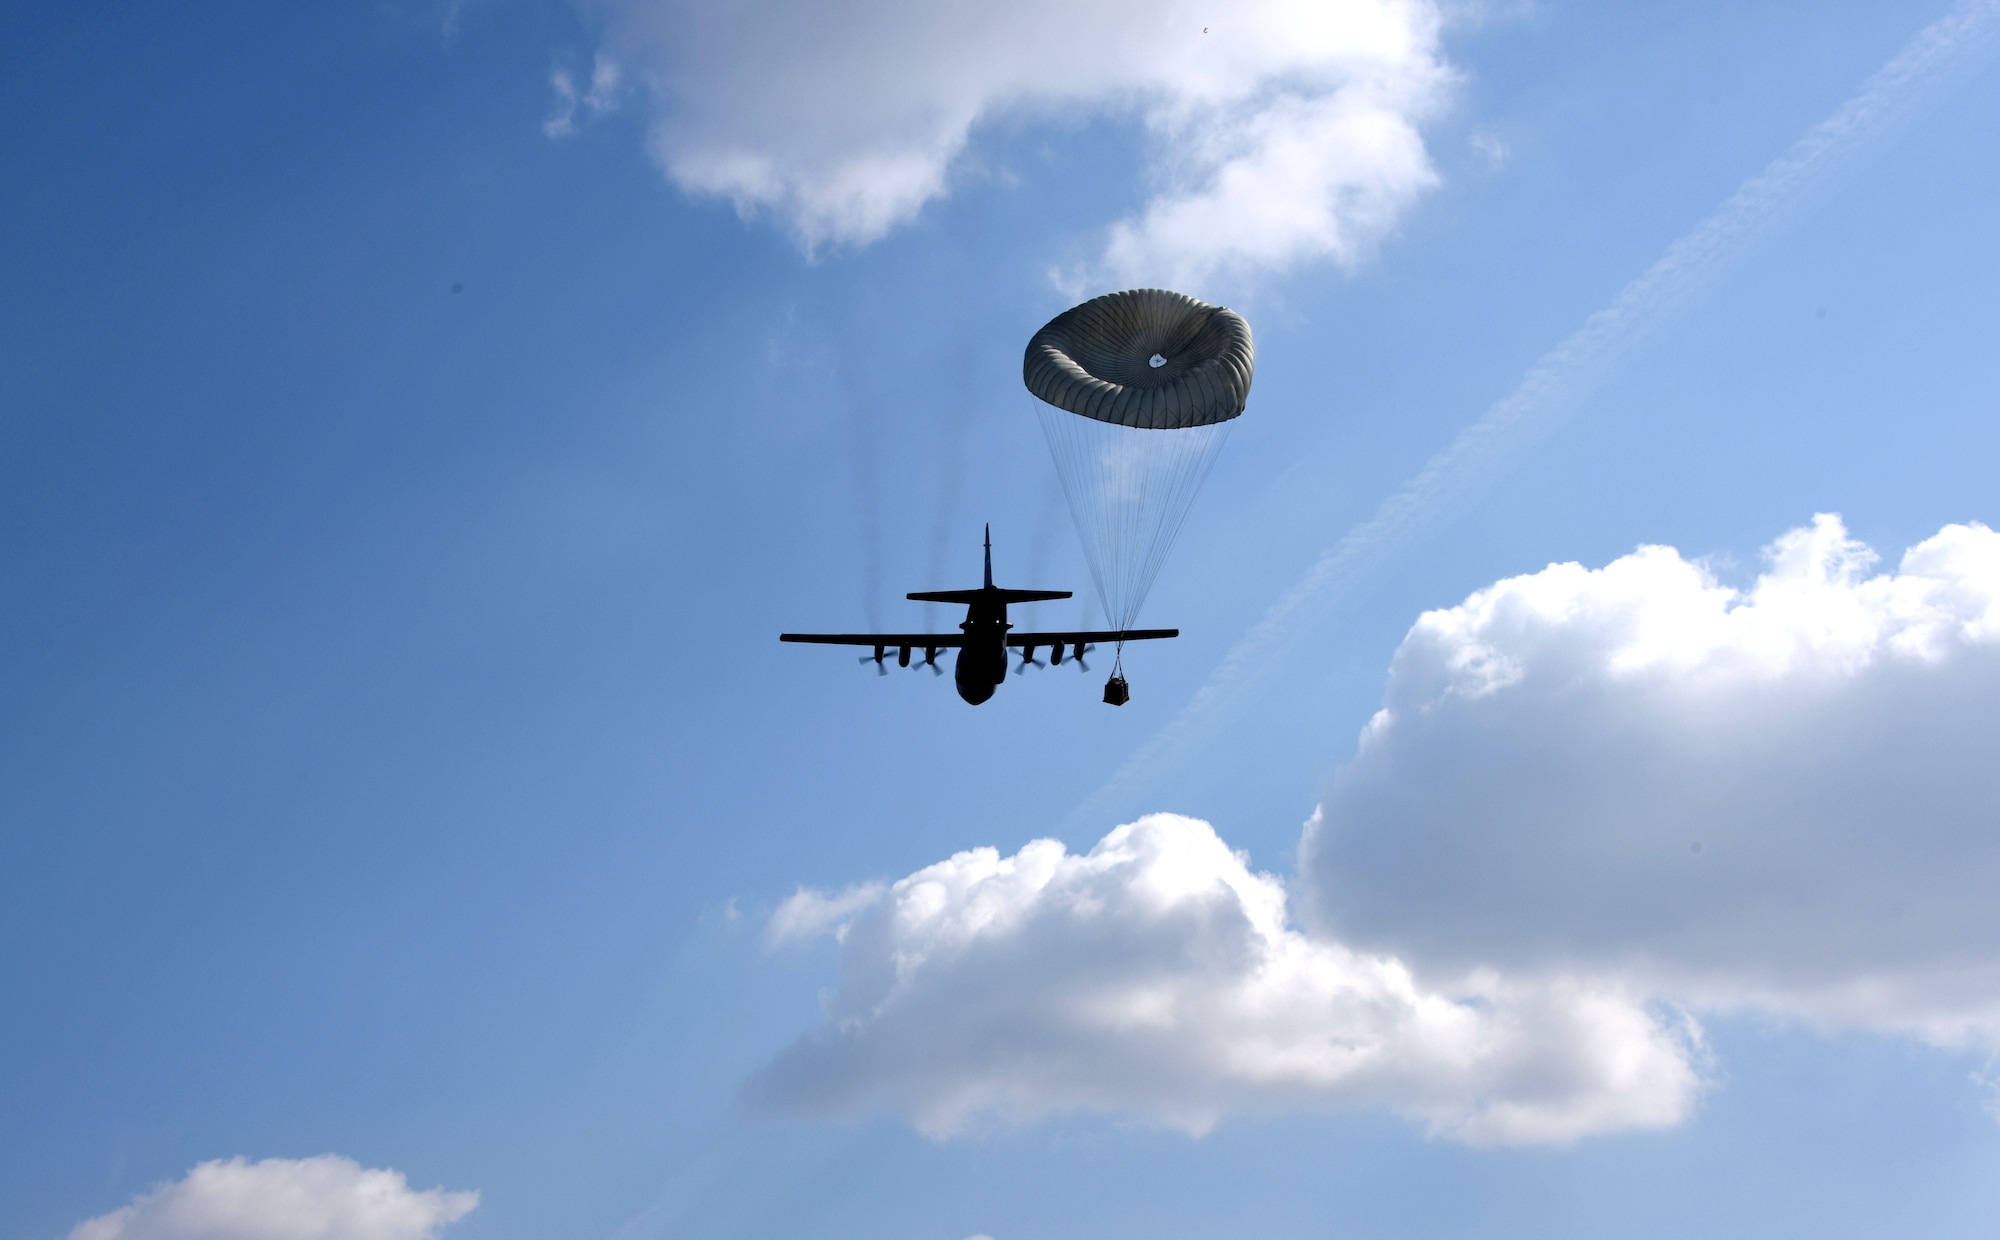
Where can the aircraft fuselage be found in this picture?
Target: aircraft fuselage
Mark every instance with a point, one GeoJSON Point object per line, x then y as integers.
{"type": "Point", "coordinates": [982, 661]}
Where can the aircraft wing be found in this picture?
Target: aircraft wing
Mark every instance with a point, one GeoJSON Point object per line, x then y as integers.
{"type": "Point", "coordinates": [888, 641]}
{"type": "Point", "coordinates": [1089, 638]}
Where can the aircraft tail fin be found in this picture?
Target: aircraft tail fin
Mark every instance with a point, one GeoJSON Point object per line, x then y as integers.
{"type": "Point", "coordinates": [988, 593]}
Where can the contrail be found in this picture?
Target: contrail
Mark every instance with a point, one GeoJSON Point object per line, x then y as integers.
{"type": "Point", "coordinates": [684, 1190]}
{"type": "Point", "coordinates": [1548, 393]}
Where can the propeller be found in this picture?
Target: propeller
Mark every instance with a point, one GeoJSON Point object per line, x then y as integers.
{"type": "Point", "coordinates": [1079, 657]}
{"type": "Point", "coordinates": [881, 653]}
{"type": "Point", "coordinates": [1028, 660]}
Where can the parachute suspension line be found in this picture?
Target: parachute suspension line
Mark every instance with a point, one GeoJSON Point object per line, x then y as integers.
{"type": "Point", "coordinates": [1129, 491]}
{"type": "Point", "coordinates": [1136, 392]}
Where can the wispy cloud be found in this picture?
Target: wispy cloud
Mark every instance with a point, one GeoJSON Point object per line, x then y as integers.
{"type": "Point", "coordinates": [599, 98]}
{"type": "Point", "coordinates": [1491, 149]}
{"type": "Point", "coordinates": [807, 913]}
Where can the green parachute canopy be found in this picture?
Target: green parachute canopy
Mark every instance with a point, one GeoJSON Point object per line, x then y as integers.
{"type": "Point", "coordinates": [1136, 394]}
{"type": "Point", "coordinates": [1144, 358]}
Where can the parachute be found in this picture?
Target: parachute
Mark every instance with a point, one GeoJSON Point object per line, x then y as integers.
{"type": "Point", "coordinates": [1136, 393]}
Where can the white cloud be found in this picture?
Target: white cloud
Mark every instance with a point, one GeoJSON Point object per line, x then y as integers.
{"type": "Point", "coordinates": [1283, 131]}
{"type": "Point", "coordinates": [1158, 978]}
{"type": "Point", "coordinates": [807, 913]}
{"type": "Point", "coordinates": [1595, 799]}
{"type": "Point", "coordinates": [323, 1198]}
{"type": "Point", "coordinates": [601, 98]}
{"type": "Point", "coordinates": [1786, 797]}
{"type": "Point", "coordinates": [1987, 1081]}
{"type": "Point", "coordinates": [1491, 149]}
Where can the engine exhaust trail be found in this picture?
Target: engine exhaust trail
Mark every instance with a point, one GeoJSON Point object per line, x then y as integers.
{"type": "Point", "coordinates": [949, 500]}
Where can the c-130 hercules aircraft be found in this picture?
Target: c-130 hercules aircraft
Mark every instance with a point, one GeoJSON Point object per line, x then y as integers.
{"type": "Point", "coordinates": [984, 639]}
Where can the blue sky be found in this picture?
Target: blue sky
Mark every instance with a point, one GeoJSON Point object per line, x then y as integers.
{"type": "Point", "coordinates": [417, 422]}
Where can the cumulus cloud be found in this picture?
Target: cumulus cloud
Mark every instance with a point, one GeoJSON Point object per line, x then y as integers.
{"type": "Point", "coordinates": [323, 1198]}
{"type": "Point", "coordinates": [1158, 978]}
{"type": "Point", "coordinates": [1282, 131]}
{"type": "Point", "coordinates": [1785, 796]}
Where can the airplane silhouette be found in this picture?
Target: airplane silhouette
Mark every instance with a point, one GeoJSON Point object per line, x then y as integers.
{"type": "Point", "coordinates": [984, 638]}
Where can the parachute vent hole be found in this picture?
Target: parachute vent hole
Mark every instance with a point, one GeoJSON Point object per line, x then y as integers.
{"type": "Point", "coordinates": [1156, 361]}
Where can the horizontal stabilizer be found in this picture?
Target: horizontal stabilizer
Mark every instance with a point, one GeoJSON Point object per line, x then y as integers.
{"type": "Point", "coordinates": [991, 594]}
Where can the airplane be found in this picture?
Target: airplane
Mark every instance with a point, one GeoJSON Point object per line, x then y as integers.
{"type": "Point", "coordinates": [983, 640]}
